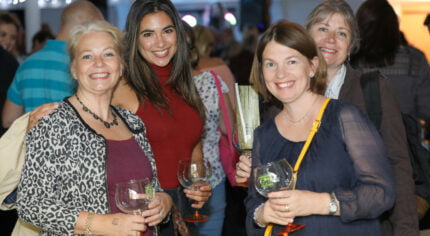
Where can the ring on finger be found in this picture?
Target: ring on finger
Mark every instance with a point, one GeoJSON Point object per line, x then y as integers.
{"type": "Point", "coordinates": [161, 214]}
{"type": "Point", "coordinates": [287, 209]}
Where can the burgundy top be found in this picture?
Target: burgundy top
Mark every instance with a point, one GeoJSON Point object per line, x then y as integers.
{"type": "Point", "coordinates": [172, 136]}
{"type": "Point", "coordinates": [125, 161]}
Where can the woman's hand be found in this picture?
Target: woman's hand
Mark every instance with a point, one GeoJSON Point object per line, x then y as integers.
{"type": "Point", "coordinates": [39, 112]}
{"type": "Point", "coordinates": [200, 196]}
{"type": "Point", "coordinates": [243, 169]}
{"type": "Point", "coordinates": [118, 224]}
{"type": "Point", "coordinates": [292, 203]}
{"type": "Point", "coordinates": [159, 208]}
{"type": "Point", "coordinates": [269, 214]}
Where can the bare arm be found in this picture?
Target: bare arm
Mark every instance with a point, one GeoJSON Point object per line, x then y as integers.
{"type": "Point", "coordinates": [11, 111]}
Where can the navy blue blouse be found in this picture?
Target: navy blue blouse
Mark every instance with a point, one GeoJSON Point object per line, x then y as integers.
{"type": "Point", "coordinates": [346, 156]}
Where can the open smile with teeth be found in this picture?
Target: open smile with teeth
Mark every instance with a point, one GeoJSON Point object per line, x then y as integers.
{"type": "Point", "coordinates": [326, 50]}
{"type": "Point", "coordinates": [286, 85]}
{"type": "Point", "coordinates": [161, 53]}
{"type": "Point", "coordinates": [99, 76]}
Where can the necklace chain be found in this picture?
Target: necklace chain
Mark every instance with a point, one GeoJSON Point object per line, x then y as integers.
{"type": "Point", "coordinates": [302, 119]}
{"type": "Point", "coordinates": [96, 117]}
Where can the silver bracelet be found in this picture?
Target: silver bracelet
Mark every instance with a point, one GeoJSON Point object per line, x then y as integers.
{"type": "Point", "coordinates": [254, 217]}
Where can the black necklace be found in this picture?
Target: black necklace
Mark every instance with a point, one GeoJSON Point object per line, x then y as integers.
{"type": "Point", "coordinates": [107, 124]}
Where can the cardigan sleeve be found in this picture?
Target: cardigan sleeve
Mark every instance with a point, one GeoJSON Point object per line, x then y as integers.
{"type": "Point", "coordinates": [39, 192]}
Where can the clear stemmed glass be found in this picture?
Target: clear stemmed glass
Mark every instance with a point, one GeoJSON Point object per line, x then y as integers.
{"type": "Point", "coordinates": [192, 174]}
{"type": "Point", "coordinates": [133, 196]}
{"type": "Point", "coordinates": [276, 176]}
{"type": "Point", "coordinates": [247, 119]}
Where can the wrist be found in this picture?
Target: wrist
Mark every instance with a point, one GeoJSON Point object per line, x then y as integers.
{"type": "Point", "coordinates": [259, 215]}
{"type": "Point", "coordinates": [333, 204]}
{"type": "Point", "coordinates": [88, 223]}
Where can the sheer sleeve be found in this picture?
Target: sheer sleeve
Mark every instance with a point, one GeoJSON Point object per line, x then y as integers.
{"type": "Point", "coordinates": [374, 191]}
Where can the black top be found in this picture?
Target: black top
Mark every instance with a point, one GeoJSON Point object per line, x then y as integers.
{"type": "Point", "coordinates": [8, 67]}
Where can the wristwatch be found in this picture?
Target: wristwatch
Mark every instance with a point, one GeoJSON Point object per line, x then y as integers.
{"type": "Point", "coordinates": [332, 205]}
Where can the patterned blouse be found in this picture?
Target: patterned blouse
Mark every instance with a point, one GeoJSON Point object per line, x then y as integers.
{"type": "Point", "coordinates": [207, 89]}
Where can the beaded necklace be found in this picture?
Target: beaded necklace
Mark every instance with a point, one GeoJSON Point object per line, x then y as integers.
{"type": "Point", "coordinates": [96, 117]}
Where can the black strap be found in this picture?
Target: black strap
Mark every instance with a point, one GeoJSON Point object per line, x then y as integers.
{"type": "Point", "coordinates": [372, 98]}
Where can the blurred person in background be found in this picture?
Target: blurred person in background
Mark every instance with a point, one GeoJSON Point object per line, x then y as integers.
{"type": "Point", "coordinates": [44, 77]}
{"type": "Point", "coordinates": [8, 32]}
{"type": "Point", "coordinates": [40, 38]}
{"type": "Point", "coordinates": [205, 45]}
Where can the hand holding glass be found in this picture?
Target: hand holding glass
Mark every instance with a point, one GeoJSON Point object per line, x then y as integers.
{"type": "Point", "coordinates": [275, 176]}
{"type": "Point", "coordinates": [247, 119]}
{"type": "Point", "coordinates": [192, 175]}
{"type": "Point", "coordinates": [133, 196]}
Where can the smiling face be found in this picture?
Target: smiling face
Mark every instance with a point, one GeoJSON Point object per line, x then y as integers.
{"type": "Point", "coordinates": [8, 34]}
{"type": "Point", "coordinates": [96, 65]}
{"type": "Point", "coordinates": [333, 38]}
{"type": "Point", "coordinates": [157, 38]}
{"type": "Point", "coordinates": [286, 71]}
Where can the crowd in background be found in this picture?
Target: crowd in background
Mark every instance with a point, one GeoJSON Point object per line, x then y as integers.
{"type": "Point", "coordinates": [166, 76]}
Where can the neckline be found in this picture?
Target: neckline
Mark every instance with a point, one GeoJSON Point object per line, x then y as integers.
{"type": "Point", "coordinates": [162, 71]}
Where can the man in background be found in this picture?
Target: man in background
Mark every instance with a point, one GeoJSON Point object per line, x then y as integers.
{"type": "Point", "coordinates": [44, 77]}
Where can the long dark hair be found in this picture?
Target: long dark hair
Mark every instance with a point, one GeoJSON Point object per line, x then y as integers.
{"type": "Point", "coordinates": [380, 34]}
{"type": "Point", "coordinates": [142, 77]}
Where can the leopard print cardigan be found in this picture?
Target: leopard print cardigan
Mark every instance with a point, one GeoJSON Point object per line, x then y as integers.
{"type": "Point", "coordinates": [65, 170]}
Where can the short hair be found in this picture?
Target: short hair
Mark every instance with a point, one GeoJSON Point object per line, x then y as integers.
{"type": "Point", "coordinates": [205, 39]}
{"type": "Point", "coordinates": [6, 18]}
{"type": "Point", "coordinates": [294, 36]}
{"type": "Point", "coordinates": [80, 12]}
{"type": "Point", "coordinates": [330, 7]}
{"type": "Point", "coordinates": [97, 26]}
{"type": "Point", "coordinates": [41, 36]}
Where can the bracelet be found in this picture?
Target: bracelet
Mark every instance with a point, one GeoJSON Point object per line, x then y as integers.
{"type": "Point", "coordinates": [88, 223]}
{"type": "Point", "coordinates": [254, 217]}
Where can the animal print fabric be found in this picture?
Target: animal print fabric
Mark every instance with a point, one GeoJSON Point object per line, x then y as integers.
{"type": "Point", "coordinates": [65, 170]}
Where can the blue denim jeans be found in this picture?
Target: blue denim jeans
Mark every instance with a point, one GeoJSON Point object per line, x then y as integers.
{"type": "Point", "coordinates": [214, 208]}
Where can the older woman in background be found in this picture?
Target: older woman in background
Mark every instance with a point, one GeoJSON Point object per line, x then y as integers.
{"type": "Point", "coordinates": [334, 28]}
{"type": "Point", "coordinates": [77, 154]}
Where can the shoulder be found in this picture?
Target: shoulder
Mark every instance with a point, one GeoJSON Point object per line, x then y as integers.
{"type": "Point", "coordinates": [57, 120]}
{"type": "Point", "coordinates": [345, 111]}
{"type": "Point", "coordinates": [267, 127]}
{"type": "Point", "coordinates": [133, 121]}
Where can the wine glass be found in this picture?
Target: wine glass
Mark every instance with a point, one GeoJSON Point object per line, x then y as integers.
{"type": "Point", "coordinates": [133, 196]}
{"type": "Point", "coordinates": [192, 174]}
{"type": "Point", "coordinates": [247, 119]}
{"type": "Point", "coordinates": [276, 176]}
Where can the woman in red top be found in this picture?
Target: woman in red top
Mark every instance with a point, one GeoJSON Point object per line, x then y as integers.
{"type": "Point", "coordinates": [160, 89]}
